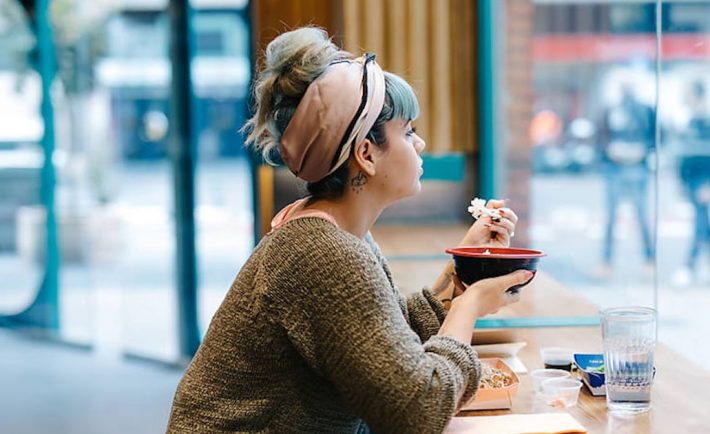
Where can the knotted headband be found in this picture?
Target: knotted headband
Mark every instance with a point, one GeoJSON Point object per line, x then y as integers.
{"type": "Point", "coordinates": [336, 112]}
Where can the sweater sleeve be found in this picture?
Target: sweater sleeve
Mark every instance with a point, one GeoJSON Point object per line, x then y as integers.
{"type": "Point", "coordinates": [425, 313]}
{"type": "Point", "coordinates": [346, 323]}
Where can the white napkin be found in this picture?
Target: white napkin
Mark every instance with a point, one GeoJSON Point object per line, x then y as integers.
{"type": "Point", "coordinates": [552, 423]}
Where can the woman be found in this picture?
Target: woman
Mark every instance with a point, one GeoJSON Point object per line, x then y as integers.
{"type": "Point", "coordinates": [313, 336]}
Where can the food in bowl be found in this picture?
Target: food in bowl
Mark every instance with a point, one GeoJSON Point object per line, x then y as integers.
{"type": "Point", "coordinates": [475, 263]}
{"type": "Point", "coordinates": [478, 209]}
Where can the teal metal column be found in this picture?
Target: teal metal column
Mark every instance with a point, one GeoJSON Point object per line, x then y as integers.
{"type": "Point", "coordinates": [43, 312]}
{"type": "Point", "coordinates": [255, 159]}
{"type": "Point", "coordinates": [254, 163]}
{"type": "Point", "coordinates": [487, 118]}
{"type": "Point", "coordinates": [183, 155]}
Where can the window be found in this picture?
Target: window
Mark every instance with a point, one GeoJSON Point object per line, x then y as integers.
{"type": "Point", "coordinates": [609, 146]}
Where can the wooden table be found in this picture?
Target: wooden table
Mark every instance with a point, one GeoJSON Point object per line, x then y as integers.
{"type": "Point", "coordinates": [680, 396]}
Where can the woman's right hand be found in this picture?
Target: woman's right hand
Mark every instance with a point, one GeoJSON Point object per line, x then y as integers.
{"type": "Point", "coordinates": [489, 295]}
{"type": "Point", "coordinates": [480, 299]}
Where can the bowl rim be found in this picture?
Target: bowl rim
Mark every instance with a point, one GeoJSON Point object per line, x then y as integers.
{"type": "Point", "coordinates": [495, 252]}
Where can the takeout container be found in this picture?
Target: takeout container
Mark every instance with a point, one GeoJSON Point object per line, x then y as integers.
{"type": "Point", "coordinates": [498, 398]}
{"type": "Point", "coordinates": [475, 263]}
{"type": "Point", "coordinates": [592, 379]}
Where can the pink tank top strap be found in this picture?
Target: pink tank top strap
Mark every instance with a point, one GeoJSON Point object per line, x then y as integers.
{"type": "Point", "coordinates": [295, 210]}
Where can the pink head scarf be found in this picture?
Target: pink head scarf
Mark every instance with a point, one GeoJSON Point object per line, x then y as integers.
{"type": "Point", "coordinates": [338, 109]}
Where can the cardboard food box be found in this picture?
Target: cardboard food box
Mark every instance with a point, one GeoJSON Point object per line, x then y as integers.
{"type": "Point", "coordinates": [499, 397]}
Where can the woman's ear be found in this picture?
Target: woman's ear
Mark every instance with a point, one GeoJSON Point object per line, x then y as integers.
{"type": "Point", "coordinates": [366, 153]}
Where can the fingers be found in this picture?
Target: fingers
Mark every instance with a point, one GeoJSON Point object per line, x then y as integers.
{"type": "Point", "coordinates": [505, 227]}
{"type": "Point", "coordinates": [498, 234]}
{"type": "Point", "coordinates": [489, 295]}
{"type": "Point", "coordinates": [502, 209]}
{"type": "Point", "coordinates": [504, 282]}
{"type": "Point", "coordinates": [495, 204]}
{"type": "Point", "coordinates": [519, 277]}
{"type": "Point", "coordinates": [508, 214]}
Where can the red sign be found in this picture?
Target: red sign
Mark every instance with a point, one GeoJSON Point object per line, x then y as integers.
{"type": "Point", "coordinates": [610, 48]}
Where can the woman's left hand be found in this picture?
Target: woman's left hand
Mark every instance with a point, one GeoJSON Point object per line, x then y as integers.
{"type": "Point", "coordinates": [488, 233]}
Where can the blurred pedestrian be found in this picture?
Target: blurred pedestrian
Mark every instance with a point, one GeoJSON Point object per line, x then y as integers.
{"type": "Point", "coordinates": [627, 136]}
{"type": "Point", "coordinates": [694, 168]}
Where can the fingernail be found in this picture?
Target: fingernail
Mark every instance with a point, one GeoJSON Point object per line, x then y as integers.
{"type": "Point", "coordinates": [529, 274]}
{"type": "Point", "coordinates": [501, 212]}
{"type": "Point", "coordinates": [488, 225]}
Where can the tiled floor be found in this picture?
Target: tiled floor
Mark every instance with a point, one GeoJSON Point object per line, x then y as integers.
{"type": "Point", "coordinates": [52, 388]}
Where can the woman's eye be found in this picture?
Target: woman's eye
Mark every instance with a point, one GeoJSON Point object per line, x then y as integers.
{"type": "Point", "coordinates": [411, 131]}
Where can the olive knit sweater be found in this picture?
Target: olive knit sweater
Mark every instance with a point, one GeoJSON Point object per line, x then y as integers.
{"type": "Point", "coordinates": [314, 337]}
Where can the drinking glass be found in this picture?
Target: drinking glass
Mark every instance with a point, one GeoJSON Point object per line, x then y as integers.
{"type": "Point", "coordinates": [629, 335]}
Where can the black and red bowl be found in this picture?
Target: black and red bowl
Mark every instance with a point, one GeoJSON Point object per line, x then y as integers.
{"type": "Point", "coordinates": [476, 263]}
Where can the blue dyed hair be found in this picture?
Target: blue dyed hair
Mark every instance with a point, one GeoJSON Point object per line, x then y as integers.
{"type": "Point", "coordinates": [400, 103]}
{"type": "Point", "coordinates": [400, 100]}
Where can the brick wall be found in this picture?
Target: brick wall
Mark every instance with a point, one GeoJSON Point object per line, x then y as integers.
{"type": "Point", "coordinates": [517, 105]}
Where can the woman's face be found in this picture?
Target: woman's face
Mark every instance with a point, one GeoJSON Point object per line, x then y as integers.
{"type": "Point", "coordinates": [400, 165]}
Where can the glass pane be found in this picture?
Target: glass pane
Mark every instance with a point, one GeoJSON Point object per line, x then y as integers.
{"type": "Point", "coordinates": [576, 94]}
{"type": "Point", "coordinates": [684, 178]}
{"type": "Point", "coordinates": [114, 182]}
{"type": "Point", "coordinates": [221, 73]}
{"type": "Point", "coordinates": [22, 235]}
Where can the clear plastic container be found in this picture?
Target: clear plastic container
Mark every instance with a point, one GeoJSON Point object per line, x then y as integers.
{"type": "Point", "coordinates": [540, 375]}
{"type": "Point", "coordinates": [561, 392]}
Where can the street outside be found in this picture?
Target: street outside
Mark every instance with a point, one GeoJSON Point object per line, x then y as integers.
{"type": "Point", "coordinates": [568, 222]}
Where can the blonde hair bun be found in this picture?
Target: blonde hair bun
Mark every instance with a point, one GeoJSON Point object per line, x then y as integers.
{"type": "Point", "coordinates": [292, 61]}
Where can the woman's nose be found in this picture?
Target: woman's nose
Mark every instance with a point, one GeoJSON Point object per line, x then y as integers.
{"type": "Point", "coordinates": [419, 144]}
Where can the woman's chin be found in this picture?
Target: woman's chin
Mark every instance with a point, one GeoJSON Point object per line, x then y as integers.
{"type": "Point", "coordinates": [416, 189]}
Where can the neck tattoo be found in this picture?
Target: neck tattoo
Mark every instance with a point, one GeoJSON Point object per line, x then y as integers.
{"type": "Point", "coordinates": [358, 182]}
